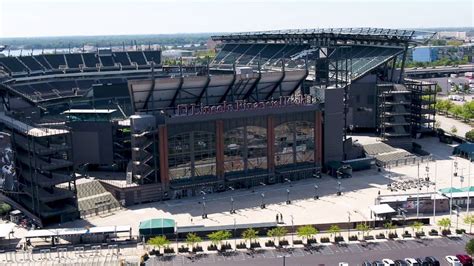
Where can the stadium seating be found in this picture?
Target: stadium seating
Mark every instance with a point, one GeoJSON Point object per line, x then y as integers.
{"type": "Point", "coordinates": [92, 195]}
{"type": "Point", "coordinates": [42, 60]}
{"type": "Point", "coordinates": [56, 60]}
{"type": "Point", "coordinates": [31, 63]}
{"type": "Point", "coordinates": [154, 56]}
{"type": "Point", "coordinates": [107, 61]}
{"type": "Point", "coordinates": [122, 58]}
{"type": "Point", "coordinates": [74, 60]}
{"type": "Point", "coordinates": [137, 57]}
{"type": "Point", "coordinates": [13, 65]}
{"type": "Point", "coordinates": [90, 60]}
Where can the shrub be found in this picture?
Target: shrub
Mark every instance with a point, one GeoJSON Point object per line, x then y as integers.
{"type": "Point", "coordinates": [380, 236]}
{"type": "Point", "coordinates": [338, 239]}
{"type": "Point", "coordinates": [269, 243]}
{"type": "Point", "coordinates": [470, 135]}
{"type": "Point", "coordinates": [446, 232]}
{"type": "Point", "coordinates": [298, 242]}
{"type": "Point", "coordinates": [169, 250]}
{"type": "Point", "coordinates": [254, 245]}
{"type": "Point", "coordinates": [353, 238]}
{"type": "Point", "coordinates": [284, 242]}
{"type": "Point", "coordinates": [312, 241]}
{"type": "Point", "coordinates": [197, 249]}
{"type": "Point", "coordinates": [183, 249]}
{"type": "Point", "coordinates": [241, 245]}
{"type": "Point", "coordinates": [460, 231]}
{"type": "Point", "coordinates": [392, 235]}
{"type": "Point", "coordinates": [212, 247]}
{"type": "Point", "coordinates": [325, 240]}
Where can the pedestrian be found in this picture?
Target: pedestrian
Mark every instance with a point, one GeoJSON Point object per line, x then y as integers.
{"type": "Point", "coordinates": [277, 218]}
{"type": "Point", "coordinates": [281, 218]}
{"type": "Point", "coordinates": [379, 192]}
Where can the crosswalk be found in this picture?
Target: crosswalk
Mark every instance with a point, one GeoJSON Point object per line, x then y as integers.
{"type": "Point", "coordinates": [329, 250]}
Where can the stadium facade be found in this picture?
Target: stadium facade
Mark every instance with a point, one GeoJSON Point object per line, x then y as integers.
{"type": "Point", "coordinates": [270, 107]}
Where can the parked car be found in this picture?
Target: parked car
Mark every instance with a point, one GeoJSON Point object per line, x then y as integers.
{"type": "Point", "coordinates": [366, 263]}
{"type": "Point", "coordinates": [453, 261]}
{"type": "Point", "coordinates": [422, 262]}
{"type": "Point", "coordinates": [411, 262]}
{"type": "Point", "coordinates": [401, 263]}
{"type": "Point", "coordinates": [432, 260]}
{"type": "Point", "coordinates": [388, 262]}
{"type": "Point", "coordinates": [377, 263]}
{"type": "Point", "coordinates": [466, 260]}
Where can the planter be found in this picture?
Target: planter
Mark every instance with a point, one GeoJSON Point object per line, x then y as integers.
{"type": "Point", "coordinates": [325, 240]}
{"type": "Point", "coordinates": [269, 243]}
{"type": "Point", "coordinates": [183, 249]}
{"type": "Point", "coordinates": [460, 231]}
{"type": "Point", "coordinates": [225, 247]}
{"type": "Point", "coordinates": [446, 232]}
{"type": "Point", "coordinates": [241, 246]}
{"type": "Point", "coordinates": [283, 242]}
{"type": "Point", "coordinates": [392, 235]}
{"type": "Point", "coordinates": [419, 234]}
{"type": "Point", "coordinates": [406, 235]}
{"type": "Point", "coordinates": [380, 236]}
{"type": "Point", "coordinates": [197, 249]}
{"type": "Point", "coordinates": [433, 232]}
{"type": "Point", "coordinates": [368, 237]}
{"type": "Point", "coordinates": [255, 245]}
{"type": "Point", "coordinates": [298, 242]}
{"type": "Point", "coordinates": [338, 239]}
{"type": "Point", "coordinates": [212, 247]}
{"type": "Point", "coordinates": [170, 250]}
{"type": "Point", "coordinates": [312, 241]}
{"type": "Point", "coordinates": [353, 238]}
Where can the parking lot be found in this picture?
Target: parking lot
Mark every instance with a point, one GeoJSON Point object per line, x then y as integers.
{"type": "Point", "coordinates": [331, 254]}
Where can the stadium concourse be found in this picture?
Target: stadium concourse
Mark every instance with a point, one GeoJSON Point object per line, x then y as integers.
{"type": "Point", "coordinates": [270, 109]}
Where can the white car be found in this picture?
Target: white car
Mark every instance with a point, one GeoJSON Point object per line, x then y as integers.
{"type": "Point", "coordinates": [452, 260]}
{"type": "Point", "coordinates": [412, 262]}
{"type": "Point", "coordinates": [388, 262]}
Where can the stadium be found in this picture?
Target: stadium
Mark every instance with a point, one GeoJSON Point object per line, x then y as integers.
{"type": "Point", "coordinates": [271, 107]}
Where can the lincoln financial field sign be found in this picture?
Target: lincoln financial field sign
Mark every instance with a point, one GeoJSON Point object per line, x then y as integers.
{"type": "Point", "coordinates": [243, 105]}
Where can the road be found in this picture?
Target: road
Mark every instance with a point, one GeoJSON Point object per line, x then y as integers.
{"type": "Point", "coordinates": [354, 254]}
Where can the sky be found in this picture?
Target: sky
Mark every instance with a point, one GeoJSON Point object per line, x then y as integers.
{"type": "Point", "coordinates": [30, 18]}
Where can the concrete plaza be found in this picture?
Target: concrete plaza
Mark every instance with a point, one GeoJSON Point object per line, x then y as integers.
{"type": "Point", "coordinates": [359, 192]}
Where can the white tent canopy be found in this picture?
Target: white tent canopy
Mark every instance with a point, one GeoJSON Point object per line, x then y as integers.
{"type": "Point", "coordinates": [382, 209]}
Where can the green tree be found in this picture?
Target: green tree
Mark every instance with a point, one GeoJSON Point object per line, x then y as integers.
{"type": "Point", "coordinates": [364, 228]}
{"type": "Point", "coordinates": [5, 208]}
{"type": "Point", "coordinates": [470, 247]}
{"type": "Point", "coordinates": [389, 226]}
{"type": "Point", "coordinates": [306, 232]}
{"type": "Point", "coordinates": [277, 233]}
{"type": "Point", "coordinates": [444, 223]}
{"type": "Point", "coordinates": [470, 135]}
{"type": "Point", "coordinates": [250, 234]}
{"type": "Point", "coordinates": [457, 111]}
{"type": "Point", "coordinates": [334, 230]}
{"type": "Point", "coordinates": [192, 239]}
{"type": "Point", "coordinates": [218, 236]}
{"type": "Point", "coordinates": [448, 105]}
{"type": "Point", "coordinates": [469, 219]}
{"type": "Point", "coordinates": [159, 242]}
{"type": "Point", "coordinates": [416, 226]}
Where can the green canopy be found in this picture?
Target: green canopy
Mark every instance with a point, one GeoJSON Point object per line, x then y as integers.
{"type": "Point", "coordinates": [449, 190]}
{"type": "Point", "coordinates": [466, 189]}
{"type": "Point", "coordinates": [156, 227]}
{"type": "Point", "coordinates": [465, 150]}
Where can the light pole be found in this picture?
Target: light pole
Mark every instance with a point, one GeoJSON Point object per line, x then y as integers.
{"type": "Point", "coordinates": [451, 192]}
{"type": "Point", "coordinates": [339, 188]}
{"type": "Point", "coordinates": [348, 225]}
{"type": "Point", "coordinates": [232, 210]}
{"type": "Point", "coordinates": [292, 229]}
{"type": "Point", "coordinates": [204, 214]}
{"type": "Point", "coordinates": [288, 196]}
{"type": "Point", "coordinates": [469, 187]}
{"type": "Point", "coordinates": [418, 199]}
{"type": "Point", "coordinates": [263, 200]}
{"type": "Point", "coordinates": [435, 192]}
{"type": "Point", "coordinates": [235, 238]}
{"type": "Point", "coordinates": [316, 192]}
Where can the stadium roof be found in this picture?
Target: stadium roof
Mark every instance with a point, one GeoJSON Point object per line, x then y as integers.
{"type": "Point", "coordinates": [380, 34]}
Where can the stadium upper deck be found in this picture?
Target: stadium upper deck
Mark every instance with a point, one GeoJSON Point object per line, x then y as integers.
{"type": "Point", "coordinates": [356, 50]}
